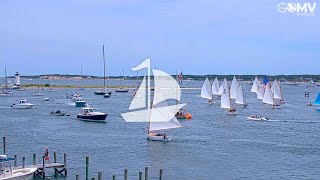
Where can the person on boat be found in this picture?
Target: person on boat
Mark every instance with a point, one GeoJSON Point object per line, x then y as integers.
{"type": "Point", "coordinates": [46, 155]}
{"type": "Point", "coordinates": [164, 136]}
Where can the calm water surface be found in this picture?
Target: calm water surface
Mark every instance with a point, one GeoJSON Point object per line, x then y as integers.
{"type": "Point", "coordinates": [210, 146]}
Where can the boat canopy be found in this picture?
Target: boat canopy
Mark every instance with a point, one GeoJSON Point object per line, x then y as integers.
{"type": "Point", "coordinates": [4, 158]}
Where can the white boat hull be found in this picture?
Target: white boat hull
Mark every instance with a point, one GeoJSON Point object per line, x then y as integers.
{"type": "Point", "coordinates": [257, 119]}
{"type": "Point", "coordinates": [21, 174]}
{"type": "Point", "coordinates": [25, 106]}
{"type": "Point", "coordinates": [153, 137]}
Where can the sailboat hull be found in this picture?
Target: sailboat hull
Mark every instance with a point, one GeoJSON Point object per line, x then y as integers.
{"type": "Point", "coordinates": [158, 137]}
{"type": "Point", "coordinates": [122, 90]}
{"type": "Point", "coordinates": [101, 93]}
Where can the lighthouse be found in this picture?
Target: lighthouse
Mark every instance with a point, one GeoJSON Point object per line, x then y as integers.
{"type": "Point", "coordinates": [17, 79]}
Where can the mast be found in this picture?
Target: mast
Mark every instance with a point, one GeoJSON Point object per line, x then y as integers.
{"type": "Point", "coordinates": [81, 77]}
{"type": "Point", "coordinates": [104, 69]}
{"type": "Point", "coordinates": [5, 74]}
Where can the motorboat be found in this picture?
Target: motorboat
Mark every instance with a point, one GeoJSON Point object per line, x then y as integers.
{"type": "Point", "coordinates": [232, 112]}
{"type": "Point", "coordinates": [92, 114]}
{"type": "Point", "coordinates": [46, 99]}
{"type": "Point", "coordinates": [58, 113]}
{"type": "Point", "coordinates": [23, 104]}
{"type": "Point", "coordinates": [257, 118]}
{"type": "Point", "coordinates": [80, 103]}
{"type": "Point", "coordinates": [7, 172]}
{"type": "Point", "coordinates": [183, 114]}
{"type": "Point", "coordinates": [122, 90]}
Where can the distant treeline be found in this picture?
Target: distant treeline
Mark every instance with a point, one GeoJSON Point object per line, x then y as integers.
{"type": "Point", "coordinates": [306, 77]}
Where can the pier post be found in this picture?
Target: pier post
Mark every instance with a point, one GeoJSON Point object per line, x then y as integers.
{"type": "Point", "coordinates": [15, 161]}
{"type": "Point", "coordinates": [160, 176]}
{"type": "Point", "coordinates": [43, 167]}
{"type": "Point", "coordinates": [114, 177]}
{"type": "Point", "coordinates": [77, 177]}
{"type": "Point", "coordinates": [99, 175]}
{"type": "Point", "coordinates": [4, 145]}
{"type": "Point", "coordinates": [125, 176]}
{"type": "Point", "coordinates": [146, 173]}
{"type": "Point", "coordinates": [34, 159]}
{"type": "Point", "coordinates": [65, 164]}
{"type": "Point", "coordinates": [54, 157]}
{"type": "Point", "coordinates": [93, 178]}
{"type": "Point", "coordinates": [87, 168]}
{"type": "Point", "coordinates": [23, 162]}
{"type": "Point", "coordinates": [140, 175]}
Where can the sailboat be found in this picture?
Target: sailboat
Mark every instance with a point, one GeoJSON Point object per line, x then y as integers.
{"type": "Point", "coordinates": [234, 88]}
{"type": "Point", "coordinates": [5, 92]}
{"type": "Point", "coordinates": [80, 84]}
{"type": "Point", "coordinates": [317, 101]}
{"type": "Point", "coordinates": [51, 86]}
{"type": "Point", "coordinates": [206, 91]}
{"type": "Point", "coordinates": [277, 90]}
{"type": "Point", "coordinates": [268, 98]}
{"type": "Point", "coordinates": [215, 87]}
{"type": "Point", "coordinates": [159, 115]}
{"type": "Point", "coordinates": [260, 92]}
{"type": "Point", "coordinates": [100, 91]}
{"type": "Point", "coordinates": [240, 97]}
{"type": "Point", "coordinates": [255, 85]}
{"type": "Point", "coordinates": [38, 93]}
{"type": "Point", "coordinates": [226, 99]}
{"type": "Point", "coordinates": [122, 88]}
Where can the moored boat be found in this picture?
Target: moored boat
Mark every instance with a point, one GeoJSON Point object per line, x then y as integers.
{"type": "Point", "coordinates": [58, 113]}
{"type": "Point", "coordinates": [92, 114]}
{"type": "Point", "coordinates": [257, 118]}
{"type": "Point", "coordinates": [80, 103]}
{"type": "Point", "coordinates": [7, 172]}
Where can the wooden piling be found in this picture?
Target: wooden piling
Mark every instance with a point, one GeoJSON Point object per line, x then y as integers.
{"type": "Point", "coordinates": [93, 178]}
{"type": "Point", "coordinates": [15, 160]}
{"type": "Point", "coordinates": [65, 164]}
{"type": "Point", "coordinates": [146, 173]}
{"type": "Point", "coordinates": [99, 175]}
{"type": "Point", "coordinates": [4, 144]}
{"type": "Point", "coordinates": [23, 162]}
{"type": "Point", "coordinates": [140, 175]}
{"type": "Point", "coordinates": [87, 168]}
{"type": "Point", "coordinates": [114, 177]}
{"type": "Point", "coordinates": [34, 159]}
{"type": "Point", "coordinates": [77, 177]}
{"type": "Point", "coordinates": [54, 157]}
{"type": "Point", "coordinates": [160, 175]}
{"type": "Point", "coordinates": [125, 176]}
{"type": "Point", "coordinates": [43, 167]}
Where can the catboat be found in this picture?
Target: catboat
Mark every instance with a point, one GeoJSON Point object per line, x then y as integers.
{"type": "Point", "coordinates": [92, 114]}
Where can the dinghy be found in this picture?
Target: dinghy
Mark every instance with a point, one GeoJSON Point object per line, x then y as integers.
{"type": "Point", "coordinates": [226, 100]}
{"type": "Point", "coordinates": [234, 88]}
{"type": "Point", "coordinates": [257, 118]}
{"type": "Point", "coordinates": [240, 97]}
{"type": "Point", "coordinates": [215, 87]}
{"type": "Point", "coordinates": [268, 98]}
{"type": "Point", "coordinates": [277, 91]}
{"type": "Point", "coordinates": [206, 91]}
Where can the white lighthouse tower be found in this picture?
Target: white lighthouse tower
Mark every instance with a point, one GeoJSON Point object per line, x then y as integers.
{"type": "Point", "coordinates": [17, 79]}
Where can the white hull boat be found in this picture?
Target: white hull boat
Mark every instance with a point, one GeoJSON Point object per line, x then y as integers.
{"type": "Point", "coordinates": [7, 172]}
{"type": "Point", "coordinates": [21, 174]}
{"type": "Point", "coordinates": [257, 118]}
{"type": "Point", "coordinates": [23, 104]}
{"type": "Point", "coordinates": [158, 137]}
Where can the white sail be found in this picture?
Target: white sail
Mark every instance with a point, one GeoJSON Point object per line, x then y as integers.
{"type": "Point", "coordinates": [239, 99]}
{"type": "Point", "coordinates": [268, 96]}
{"type": "Point", "coordinates": [225, 97]}
{"type": "Point", "coordinates": [206, 90]}
{"type": "Point", "coordinates": [139, 100]}
{"type": "Point", "coordinates": [224, 84]}
{"type": "Point", "coordinates": [255, 85]}
{"type": "Point", "coordinates": [215, 87]}
{"type": "Point", "coordinates": [276, 90]}
{"type": "Point", "coordinates": [166, 87]}
{"type": "Point", "coordinates": [260, 92]}
{"type": "Point", "coordinates": [234, 88]}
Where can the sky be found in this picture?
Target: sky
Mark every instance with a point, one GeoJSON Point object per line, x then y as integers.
{"type": "Point", "coordinates": [196, 36]}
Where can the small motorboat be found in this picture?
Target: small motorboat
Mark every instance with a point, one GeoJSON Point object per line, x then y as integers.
{"type": "Point", "coordinates": [92, 114]}
{"type": "Point", "coordinates": [58, 113]}
{"type": "Point", "coordinates": [158, 137]}
{"type": "Point", "coordinates": [7, 172]}
{"type": "Point", "coordinates": [80, 103]}
{"type": "Point", "coordinates": [257, 118]}
{"type": "Point", "coordinates": [107, 95]}
{"type": "Point", "coordinates": [101, 92]}
{"type": "Point", "coordinates": [122, 90]}
{"type": "Point", "coordinates": [232, 112]}
{"type": "Point", "coordinates": [183, 114]}
{"type": "Point", "coordinates": [23, 104]}
{"type": "Point", "coordinates": [46, 99]}
{"type": "Point", "coordinates": [38, 94]}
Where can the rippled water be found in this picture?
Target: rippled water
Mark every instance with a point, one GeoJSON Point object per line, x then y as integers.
{"type": "Point", "coordinates": [210, 146]}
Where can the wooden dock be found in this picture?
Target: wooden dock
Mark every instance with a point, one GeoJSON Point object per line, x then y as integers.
{"type": "Point", "coordinates": [59, 168]}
